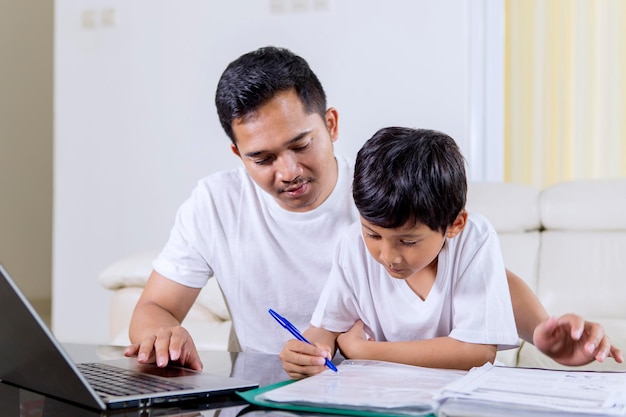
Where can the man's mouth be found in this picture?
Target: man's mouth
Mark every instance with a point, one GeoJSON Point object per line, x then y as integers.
{"type": "Point", "coordinates": [296, 190]}
{"type": "Point", "coordinates": [293, 188]}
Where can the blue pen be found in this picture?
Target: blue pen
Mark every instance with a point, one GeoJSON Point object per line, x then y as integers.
{"type": "Point", "coordinates": [296, 333]}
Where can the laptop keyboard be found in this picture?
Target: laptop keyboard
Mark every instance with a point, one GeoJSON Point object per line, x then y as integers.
{"type": "Point", "coordinates": [111, 380]}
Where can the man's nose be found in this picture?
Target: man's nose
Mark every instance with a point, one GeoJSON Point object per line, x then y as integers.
{"type": "Point", "coordinates": [288, 167]}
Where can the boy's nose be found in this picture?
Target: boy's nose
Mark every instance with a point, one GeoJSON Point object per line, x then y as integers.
{"type": "Point", "coordinates": [388, 255]}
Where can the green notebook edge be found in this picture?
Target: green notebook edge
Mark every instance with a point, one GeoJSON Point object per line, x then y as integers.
{"type": "Point", "coordinates": [252, 395]}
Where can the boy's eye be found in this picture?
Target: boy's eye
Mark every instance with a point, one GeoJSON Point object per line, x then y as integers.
{"type": "Point", "coordinates": [409, 243]}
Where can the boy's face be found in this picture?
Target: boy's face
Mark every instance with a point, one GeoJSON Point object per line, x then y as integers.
{"type": "Point", "coordinates": [289, 152]}
{"type": "Point", "coordinates": [411, 250]}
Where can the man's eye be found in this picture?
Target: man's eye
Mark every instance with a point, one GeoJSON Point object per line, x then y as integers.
{"type": "Point", "coordinates": [263, 161]}
{"type": "Point", "coordinates": [302, 148]}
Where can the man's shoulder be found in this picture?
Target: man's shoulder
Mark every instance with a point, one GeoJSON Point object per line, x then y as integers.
{"type": "Point", "coordinates": [224, 182]}
{"type": "Point", "coordinates": [218, 178]}
{"type": "Point", "coordinates": [222, 188]}
{"type": "Point", "coordinates": [345, 162]}
{"type": "Point", "coordinates": [351, 248]}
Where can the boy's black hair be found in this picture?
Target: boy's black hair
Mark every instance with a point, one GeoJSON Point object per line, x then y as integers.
{"type": "Point", "coordinates": [404, 174]}
{"type": "Point", "coordinates": [256, 77]}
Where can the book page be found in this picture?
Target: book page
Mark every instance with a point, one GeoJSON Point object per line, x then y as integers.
{"type": "Point", "coordinates": [371, 385]}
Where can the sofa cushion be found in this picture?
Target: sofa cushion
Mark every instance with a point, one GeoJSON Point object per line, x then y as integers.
{"type": "Point", "coordinates": [585, 205]}
{"type": "Point", "coordinates": [513, 210]}
{"type": "Point", "coordinates": [583, 272]}
{"type": "Point", "coordinates": [509, 207]}
{"type": "Point", "coordinates": [520, 252]}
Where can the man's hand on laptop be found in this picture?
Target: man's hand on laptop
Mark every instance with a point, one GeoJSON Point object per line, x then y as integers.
{"type": "Point", "coordinates": [170, 345]}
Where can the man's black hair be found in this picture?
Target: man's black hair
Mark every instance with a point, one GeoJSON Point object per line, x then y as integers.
{"type": "Point", "coordinates": [256, 77]}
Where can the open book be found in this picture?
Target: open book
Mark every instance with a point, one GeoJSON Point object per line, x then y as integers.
{"type": "Point", "coordinates": [364, 387]}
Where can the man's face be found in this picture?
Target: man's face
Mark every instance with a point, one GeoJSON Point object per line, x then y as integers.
{"type": "Point", "coordinates": [289, 152]}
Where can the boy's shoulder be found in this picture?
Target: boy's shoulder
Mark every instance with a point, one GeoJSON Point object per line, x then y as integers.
{"type": "Point", "coordinates": [477, 229]}
{"type": "Point", "coordinates": [478, 222]}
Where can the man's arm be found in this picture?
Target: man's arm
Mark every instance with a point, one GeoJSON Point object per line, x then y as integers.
{"type": "Point", "coordinates": [155, 327]}
{"type": "Point", "coordinates": [440, 352]}
{"type": "Point", "coordinates": [527, 309]}
{"type": "Point", "coordinates": [569, 339]}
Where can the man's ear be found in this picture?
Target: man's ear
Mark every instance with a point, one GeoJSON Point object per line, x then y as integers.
{"type": "Point", "coordinates": [457, 226]}
{"type": "Point", "coordinates": [332, 123]}
{"type": "Point", "coordinates": [234, 149]}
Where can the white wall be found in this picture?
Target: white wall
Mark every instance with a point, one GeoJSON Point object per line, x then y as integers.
{"type": "Point", "coordinates": [135, 123]}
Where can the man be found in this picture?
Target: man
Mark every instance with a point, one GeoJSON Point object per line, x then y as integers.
{"type": "Point", "coordinates": [268, 230]}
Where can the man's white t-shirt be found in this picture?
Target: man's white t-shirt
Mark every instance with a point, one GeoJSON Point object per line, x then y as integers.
{"type": "Point", "coordinates": [469, 300]}
{"type": "Point", "coordinates": [262, 255]}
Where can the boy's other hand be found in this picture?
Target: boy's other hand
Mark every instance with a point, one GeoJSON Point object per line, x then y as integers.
{"type": "Point", "coordinates": [572, 341]}
{"type": "Point", "coordinates": [351, 342]}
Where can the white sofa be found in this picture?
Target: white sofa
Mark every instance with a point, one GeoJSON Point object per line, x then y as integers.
{"type": "Point", "coordinates": [567, 241]}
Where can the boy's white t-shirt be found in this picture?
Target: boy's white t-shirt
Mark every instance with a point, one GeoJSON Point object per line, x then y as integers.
{"type": "Point", "coordinates": [469, 300]}
{"type": "Point", "coordinates": [262, 255]}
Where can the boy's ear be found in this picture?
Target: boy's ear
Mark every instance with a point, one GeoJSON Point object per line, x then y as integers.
{"type": "Point", "coordinates": [458, 224]}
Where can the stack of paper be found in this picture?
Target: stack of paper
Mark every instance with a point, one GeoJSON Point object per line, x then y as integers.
{"type": "Point", "coordinates": [582, 392]}
{"type": "Point", "coordinates": [375, 387]}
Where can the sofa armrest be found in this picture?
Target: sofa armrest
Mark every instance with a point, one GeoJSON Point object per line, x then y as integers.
{"type": "Point", "coordinates": [134, 270]}
{"type": "Point", "coordinates": [130, 271]}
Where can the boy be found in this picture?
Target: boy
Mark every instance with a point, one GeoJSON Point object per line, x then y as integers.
{"type": "Point", "coordinates": [424, 280]}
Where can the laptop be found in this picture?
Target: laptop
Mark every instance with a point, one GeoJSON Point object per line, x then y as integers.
{"type": "Point", "coordinates": [31, 358]}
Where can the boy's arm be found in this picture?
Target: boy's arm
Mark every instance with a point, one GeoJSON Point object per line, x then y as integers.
{"type": "Point", "coordinates": [301, 359]}
{"type": "Point", "coordinates": [440, 352]}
